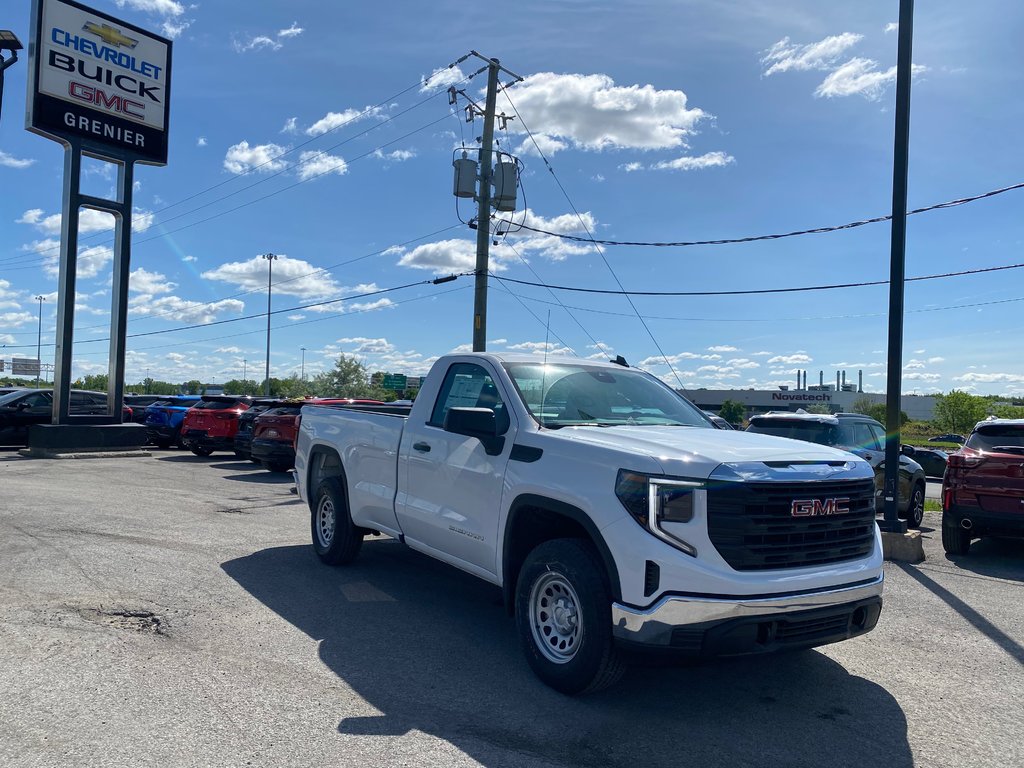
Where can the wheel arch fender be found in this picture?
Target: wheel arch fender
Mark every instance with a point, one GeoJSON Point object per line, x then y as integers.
{"type": "Point", "coordinates": [533, 519]}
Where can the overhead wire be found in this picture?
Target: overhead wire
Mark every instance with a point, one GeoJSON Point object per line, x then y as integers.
{"type": "Point", "coordinates": [756, 238]}
{"type": "Point", "coordinates": [753, 291]}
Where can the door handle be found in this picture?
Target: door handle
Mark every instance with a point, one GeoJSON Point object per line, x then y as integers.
{"type": "Point", "coordinates": [421, 447]}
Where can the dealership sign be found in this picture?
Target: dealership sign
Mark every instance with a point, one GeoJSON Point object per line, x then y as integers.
{"type": "Point", "coordinates": [802, 398]}
{"type": "Point", "coordinates": [99, 82]}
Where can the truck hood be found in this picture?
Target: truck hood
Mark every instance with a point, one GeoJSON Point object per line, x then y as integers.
{"type": "Point", "coordinates": [696, 451]}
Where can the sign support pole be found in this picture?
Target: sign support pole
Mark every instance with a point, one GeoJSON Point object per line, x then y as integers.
{"type": "Point", "coordinates": [66, 285]}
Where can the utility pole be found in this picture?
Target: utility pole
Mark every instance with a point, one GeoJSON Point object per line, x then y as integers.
{"type": "Point", "coordinates": [270, 257]}
{"type": "Point", "coordinates": [897, 270]}
{"type": "Point", "coordinates": [245, 384]}
{"type": "Point", "coordinates": [39, 340]}
{"type": "Point", "coordinates": [483, 216]}
{"type": "Point", "coordinates": [302, 375]}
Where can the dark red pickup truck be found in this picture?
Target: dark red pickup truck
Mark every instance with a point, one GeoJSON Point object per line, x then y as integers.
{"type": "Point", "coordinates": [274, 431]}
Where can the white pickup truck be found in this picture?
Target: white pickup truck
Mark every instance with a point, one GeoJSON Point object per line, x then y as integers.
{"type": "Point", "coordinates": [610, 511]}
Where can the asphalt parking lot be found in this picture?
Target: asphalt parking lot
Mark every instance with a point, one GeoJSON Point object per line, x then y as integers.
{"type": "Point", "coordinates": [168, 611]}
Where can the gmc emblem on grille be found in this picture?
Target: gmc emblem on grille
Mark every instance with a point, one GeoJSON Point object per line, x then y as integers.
{"type": "Point", "coordinates": [816, 507]}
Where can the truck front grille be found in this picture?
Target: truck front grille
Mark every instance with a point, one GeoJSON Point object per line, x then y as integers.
{"type": "Point", "coordinates": [753, 527]}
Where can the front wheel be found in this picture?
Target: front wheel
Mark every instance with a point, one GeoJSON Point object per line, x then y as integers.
{"type": "Point", "coordinates": [336, 539]}
{"type": "Point", "coordinates": [563, 614]}
{"type": "Point", "coordinates": [915, 511]}
{"type": "Point", "coordinates": [202, 451]}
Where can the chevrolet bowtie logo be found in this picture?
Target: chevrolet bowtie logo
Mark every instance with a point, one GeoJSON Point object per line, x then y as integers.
{"type": "Point", "coordinates": [110, 35]}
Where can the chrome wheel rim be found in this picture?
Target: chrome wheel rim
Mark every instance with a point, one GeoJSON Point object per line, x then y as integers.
{"type": "Point", "coordinates": [917, 507]}
{"type": "Point", "coordinates": [555, 618]}
{"type": "Point", "coordinates": [325, 522]}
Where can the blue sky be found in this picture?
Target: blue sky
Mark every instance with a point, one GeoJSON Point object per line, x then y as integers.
{"type": "Point", "coordinates": [305, 129]}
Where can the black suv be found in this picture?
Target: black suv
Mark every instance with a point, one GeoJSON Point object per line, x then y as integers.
{"type": "Point", "coordinates": [857, 434]}
{"type": "Point", "coordinates": [24, 407]}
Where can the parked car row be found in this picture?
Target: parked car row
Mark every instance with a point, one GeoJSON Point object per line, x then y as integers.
{"type": "Point", "coordinates": [20, 408]}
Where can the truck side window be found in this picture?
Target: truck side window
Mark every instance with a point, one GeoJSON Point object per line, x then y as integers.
{"type": "Point", "coordinates": [879, 435]}
{"type": "Point", "coordinates": [467, 386]}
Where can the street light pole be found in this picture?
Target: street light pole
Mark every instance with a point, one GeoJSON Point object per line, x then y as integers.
{"type": "Point", "coordinates": [39, 340]}
{"type": "Point", "coordinates": [270, 257]}
{"type": "Point", "coordinates": [245, 384]}
{"type": "Point", "coordinates": [8, 42]}
{"type": "Point", "coordinates": [302, 375]}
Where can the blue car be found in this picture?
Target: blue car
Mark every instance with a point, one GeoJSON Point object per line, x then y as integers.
{"type": "Point", "coordinates": [164, 417]}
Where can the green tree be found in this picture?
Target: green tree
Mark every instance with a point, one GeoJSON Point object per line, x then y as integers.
{"type": "Point", "coordinates": [97, 382]}
{"type": "Point", "coordinates": [733, 412]}
{"type": "Point", "coordinates": [959, 411]}
{"type": "Point", "coordinates": [1007, 411]}
{"type": "Point", "coordinates": [819, 408]}
{"type": "Point", "coordinates": [193, 387]}
{"type": "Point", "coordinates": [348, 378]}
{"type": "Point", "coordinates": [876, 411]}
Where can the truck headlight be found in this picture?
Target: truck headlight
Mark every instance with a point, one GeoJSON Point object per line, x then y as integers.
{"type": "Point", "coordinates": [653, 501]}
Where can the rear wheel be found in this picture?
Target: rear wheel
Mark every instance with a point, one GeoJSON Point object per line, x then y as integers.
{"type": "Point", "coordinates": [336, 539]}
{"type": "Point", "coordinates": [915, 512]}
{"type": "Point", "coordinates": [563, 613]}
{"type": "Point", "coordinates": [955, 540]}
{"type": "Point", "coordinates": [276, 466]}
{"type": "Point", "coordinates": [162, 443]}
{"type": "Point", "coordinates": [201, 451]}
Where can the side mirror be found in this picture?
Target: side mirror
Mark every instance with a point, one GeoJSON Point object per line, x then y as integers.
{"type": "Point", "coordinates": [480, 423]}
{"type": "Point", "coordinates": [908, 450]}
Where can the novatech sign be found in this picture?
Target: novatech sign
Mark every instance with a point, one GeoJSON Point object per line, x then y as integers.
{"type": "Point", "coordinates": [100, 81]}
{"type": "Point", "coordinates": [808, 398]}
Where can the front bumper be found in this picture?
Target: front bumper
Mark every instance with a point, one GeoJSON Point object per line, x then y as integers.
{"type": "Point", "coordinates": [721, 626]}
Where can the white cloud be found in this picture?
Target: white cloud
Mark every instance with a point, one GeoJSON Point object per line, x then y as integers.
{"type": "Point", "coordinates": [296, 318]}
{"type": "Point", "coordinates": [90, 261]}
{"type": "Point", "coordinates": [292, 277]}
{"type": "Point", "coordinates": [201, 141]}
{"type": "Point", "coordinates": [789, 359]}
{"type": "Point", "coordinates": [188, 259]}
{"type": "Point", "coordinates": [173, 29]}
{"type": "Point", "coordinates": [761, 354]}
{"type": "Point", "coordinates": [89, 220]}
{"type": "Point", "coordinates": [162, 7]}
{"type": "Point", "coordinates": [784, 55]}
{"type": "Point", "coordinates": [16, 319]}
{"type": "Point", "coordinates": [921, 376]}
{"type": "Point", "coordinates": [291, 125]}
{"type": "Point", "coordinates": [936, 359]}
{"type": "Point", "coordinates": [723, 348]}
{"type": "Point", "coordinates": [857, 76]}
{"type": "Point", "coordinates": [292, 31]}
{"type": "Point", "coordinates": [631, 167]}
{"type": "Point", "coordinates": [362, 345]}
{"type": "Point", "coordinates": [892, 26]}
{"type": "Point", "coordinates": [10, 161]}
{"type": "Point", "coordinates": [442, 256]}
{"type": "Point", "coordinates": [991, 378]}
{"type": "Point", "coordinates": [398, 156]}
{"type": "Point", "coordinates": [312, 164]}
{"type": "Point", "coordinates": [591, 112]}
{"type": "Point", "coordinates": [142, 281]}
{"type": "Point", "coordinates": [264, 158]}
{"type": "Point", "coordinates": [539, 347]}
{"type": "Point", "coordinates": [266, 42]}
{"type": "Point", "coordinates": [333, 120]}
{"type": "Point", "coordinates": [183, 310]}
{"type": "Point", "coordinates": [708, 160]}
{"type": "Point", "coordinates": [368, 306]}
{"type": "Point", "coordinates": [742, 362]}
{"type": "Point", "coordinates": [229, 350]}
{"type": "Point", "coordinates": [441, 78]}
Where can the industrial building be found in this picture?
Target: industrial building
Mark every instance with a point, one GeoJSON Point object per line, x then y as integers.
{"type": "Point", "coordinates": [838, 397]}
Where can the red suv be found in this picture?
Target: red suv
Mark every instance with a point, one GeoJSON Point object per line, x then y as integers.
{"type": "Point", "coordinates": [210, 425]}
{"type": "Point", "coordinates": [275, 430]}
{"type": "Point", "coordinates": [983, 488]}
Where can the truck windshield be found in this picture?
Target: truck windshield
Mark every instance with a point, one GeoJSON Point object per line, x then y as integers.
{"type": "Point", "coordinates": [561, 395]}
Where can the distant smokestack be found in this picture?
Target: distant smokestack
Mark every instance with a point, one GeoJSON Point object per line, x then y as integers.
{"type": "Point", "coordinates": [844, 378]}
{"type": "Point", "coordinates": [805, 379]}
{"type": "Point", "coordinates": [837, 381]}
{"type": "Point", "coordinates": [860, 381]}
{"type": "Point", "coordinates": [821, 378]}
{"type": "Point", "coordinates": [798, 378]}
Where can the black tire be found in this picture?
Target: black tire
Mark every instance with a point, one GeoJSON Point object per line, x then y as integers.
{"type": "Point", "coordinates": [276, 466]}
{"type": "Point", "coordinates": [201, 451]}
{"type": "Point", "coordinates": [165, 444]}
{"type": "Point", "coordinates": [336, 539]}
{"type": "Point", "coordinates": [574, 652]}
{"type": "Point", "coordinates": [955, 540]}
{"type": "Point", "coordinates": [915, 510]}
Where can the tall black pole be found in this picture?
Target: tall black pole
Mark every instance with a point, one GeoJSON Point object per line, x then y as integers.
{"type": "Point", "coordinates": [897, 265]}
{"type": "Point", "coordinates": [270, 276]}
{"type": "Point", "coordinates": [483, 219]}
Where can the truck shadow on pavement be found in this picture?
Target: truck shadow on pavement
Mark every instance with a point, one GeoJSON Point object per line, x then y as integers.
{"type": "Point", "coordinates": [432, 649]}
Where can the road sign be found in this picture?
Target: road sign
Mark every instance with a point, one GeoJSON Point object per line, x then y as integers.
{"type": "Point", "coordinates": [395, 381]}
{"type": "Point", "coordinates": [21, 366]}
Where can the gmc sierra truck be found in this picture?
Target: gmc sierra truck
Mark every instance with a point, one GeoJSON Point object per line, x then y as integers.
{"type": "Point", "coordinates": [608, 509]}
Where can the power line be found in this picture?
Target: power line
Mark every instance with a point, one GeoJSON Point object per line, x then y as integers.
{"type": "Point", "coordinates": [225, 321]}
{"type": "Point", "coordinates": [756, 238]}
{"type": "Point", "coordinates": [752, 291]}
